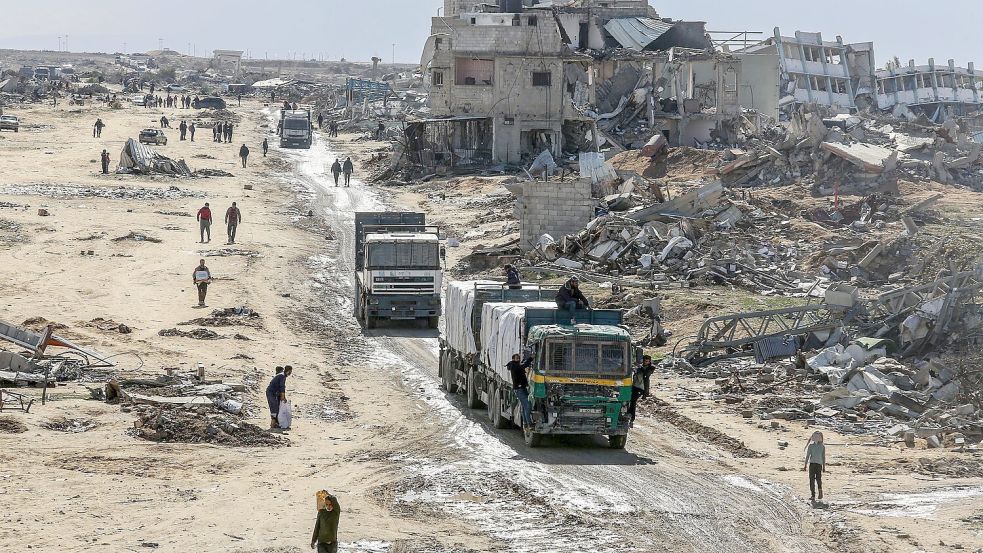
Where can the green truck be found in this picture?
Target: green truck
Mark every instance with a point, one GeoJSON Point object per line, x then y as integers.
{"type": "Point", "coordinates": [581, 374]}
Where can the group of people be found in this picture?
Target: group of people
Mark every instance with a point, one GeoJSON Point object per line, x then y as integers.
{"type": "Point", "coordinates": [233, 216]}
{"type": "Point", "coordinates": [222, 132]}
{"type": "Point", "coordinates": [347, 168]}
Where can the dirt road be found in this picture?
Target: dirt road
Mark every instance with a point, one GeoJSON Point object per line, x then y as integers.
{"type": "Point", "coordinates": [664, 493]}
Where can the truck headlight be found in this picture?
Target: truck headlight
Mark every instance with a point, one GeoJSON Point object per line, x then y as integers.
{"type": "Point", "coordinates": [373, 302]}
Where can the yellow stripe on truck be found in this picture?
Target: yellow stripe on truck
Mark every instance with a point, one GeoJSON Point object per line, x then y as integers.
{"type": "Point", "coordinates": [540, 379]}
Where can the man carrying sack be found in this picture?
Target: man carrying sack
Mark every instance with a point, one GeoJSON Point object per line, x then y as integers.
{"type": "Point", "coordinates": [326, 528]}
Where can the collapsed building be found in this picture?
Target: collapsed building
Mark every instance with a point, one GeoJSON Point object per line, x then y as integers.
{"type": "Point", "coordinates": [512, 80]}
{"type": "Point", "coordinates": [845, 78]}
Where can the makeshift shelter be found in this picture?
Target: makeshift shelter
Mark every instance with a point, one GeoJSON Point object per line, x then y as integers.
{"type": "Point", "coordinates": [142, 159]}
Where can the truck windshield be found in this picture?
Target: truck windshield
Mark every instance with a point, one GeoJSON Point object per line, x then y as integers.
{"type": "Point", "coordinates": [588, 357]}
{"type": "Point", "coordinates": [404, 255]}
{"type": "Point", "coordinates": [295, 124]}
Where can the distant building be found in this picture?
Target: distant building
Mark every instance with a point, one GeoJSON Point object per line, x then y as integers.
{"type": "Point", "coordinates": [229, 57]}
{"type": "Point", "coordinates": [932, 90]}
{"type": "Point", "coordinates": [510, 79]}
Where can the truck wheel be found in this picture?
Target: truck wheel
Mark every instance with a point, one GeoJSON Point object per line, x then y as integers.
{"type": "Point", "coordinates": [450, 375]}
{"type": "Point", "coordinates": [495, 410]}
{"type": "Point", "coordinates": [617, 442]}
{"type": "Point", "coordinates": [473, 400]}
{"type": "Point", "coordinates": [371, 322]}
{"type": "Point", "coordinates": [533, 439]}
{"type": "Point", "coordinates": [433, 323]}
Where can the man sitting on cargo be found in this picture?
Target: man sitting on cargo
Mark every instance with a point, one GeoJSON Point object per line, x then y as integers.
{"type": "Point", "coordinates": [520, 385]}
{"type": "Point", "coordinates": [570, 298]}
{"type": "Point", "coordinates": [512, 278]}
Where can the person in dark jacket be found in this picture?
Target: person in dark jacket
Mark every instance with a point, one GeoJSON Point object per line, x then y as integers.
{"type": "Point", "coordinates": [183, 127]}
{"type": "Point", "coordinates": [520, 385]}
{"type": "Point", "coordinates": [640, 384]}
{"type": "Point", "coordinates": [325, 537]}
{"type": "Point", "coordinates": [244, 154]}
{"type": "Point", "coordinates": [104, 157]}
{"type": "Point", "coordinates": [277, 392]}
{"type": "Point", "coordinates": [512, 278]}
{"type": "Point", "coordinates": [570, 298]}
{"type": "Point", "coordinates": [266, 146]}
{"type": "Point", "coordinates": [348, 168]}
{"type": "Point", "coordinates": [336, 170]}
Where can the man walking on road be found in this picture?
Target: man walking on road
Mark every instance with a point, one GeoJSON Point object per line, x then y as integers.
{"type": "Point", "coordinates": [232, 218]}
{"type": "Point", "coordinates": [228, 131]}
{"type": "Point", "coordinates": [336, 170]}
{"type": "Point", "coordinates": [243, 154]}
{"type": "Point", "coordinates": [205, 222]}
{"type": "Point", "coordinates": [97, 128]}
{"type": "Point", "coordinates": [326, 528]}
{"type": "Point", "coordinates": [191, 129]}
{"type": "Point", "coordinates": [520, 385]}
{"type": "Point", "coordinates": [105, 162]}
{"type": "Point", "coordinates": [266, 146]}
{"type": "Point", "coordinates": [348, 168]}
{"type": "Point", "coordinates": [184, 130]}
{"type": "Point", "coordinates": [202, 277]}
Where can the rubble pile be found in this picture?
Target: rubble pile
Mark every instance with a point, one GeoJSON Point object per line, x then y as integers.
{"type": "Point", "coordinates": [197, 425]}
{"type": "Point", "coordinates": [231, 316]}
{"type": "Point", "coordinates": [856, 389]}
{"type": "Point", "coordinates": [854, 154]}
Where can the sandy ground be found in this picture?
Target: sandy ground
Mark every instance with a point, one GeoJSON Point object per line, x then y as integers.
{"type": "Point", "coordinates": [414, 469]}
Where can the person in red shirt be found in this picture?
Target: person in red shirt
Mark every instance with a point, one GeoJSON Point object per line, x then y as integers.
{"type": "Point", "coordinates": [232, 219]}
{"type": "Point", "coordinates": [205, 222]}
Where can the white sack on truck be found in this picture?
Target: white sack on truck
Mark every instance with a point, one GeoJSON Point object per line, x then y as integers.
{"type": "Point", "coordinates": [459, 332]}
{"type": "Point", "coordinates": [501, 333]}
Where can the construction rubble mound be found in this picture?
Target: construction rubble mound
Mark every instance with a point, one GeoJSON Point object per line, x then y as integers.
{"type": "Point", "coordinates": [137, 158]}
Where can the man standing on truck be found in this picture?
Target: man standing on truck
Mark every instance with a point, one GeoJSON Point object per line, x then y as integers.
{"type": "Point", "coordinates": [640, 385]}
{"type": "Point", "coordinates": [570, 298]}
{"type": "Point", "coordinates": [512, 278]}
{"type": "Point", "coordinates": [205, 222]}
{"type": "Point", "coordinates": [348, 168]}
{"type": "Point", "coordinates": [336, 170]}
{"type": "Point", "coordinates": [520, 385]}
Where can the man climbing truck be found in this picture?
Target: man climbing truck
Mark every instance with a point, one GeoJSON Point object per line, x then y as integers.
{"type": "Point", "coordinates": [398, 268]}
{"type": "Point", "coordinates": [580, 375]}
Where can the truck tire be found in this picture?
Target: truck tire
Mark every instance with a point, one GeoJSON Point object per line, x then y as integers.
{"type": "Point", "coordinates": [474, 401]}
{"type": "Point", "coordinates": [617, 442]}
{"type": "Point", "coordinates": [533, 439]}
{"type": "Point", "coordinates": [371, 322]}
{"type": "Point", "coordinates": [433, 322]}
{"type": "Point", "coordinates": [495, 410]}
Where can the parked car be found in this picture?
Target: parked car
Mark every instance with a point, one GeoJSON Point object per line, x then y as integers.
{"type": "Point", "coordinates": [139, 100]}
{"type": "Point", "coordinates": [175, 88]}
{"type": "Point", "coordinates": [211, 102]}
{"type": "Point", "coordinates": [9, 123]}
{"type": "Point", "coordinates": [153, 136]}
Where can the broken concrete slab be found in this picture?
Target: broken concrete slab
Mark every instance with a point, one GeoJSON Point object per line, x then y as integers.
{"type": "Point", "coordinates": [870, 158]}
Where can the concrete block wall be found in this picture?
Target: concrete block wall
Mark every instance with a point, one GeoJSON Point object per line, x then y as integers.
{"type": "Point", "coordinates": [555, 208]}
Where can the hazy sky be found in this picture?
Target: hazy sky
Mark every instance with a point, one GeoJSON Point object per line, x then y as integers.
{"type": "Point", "coordinates": [360, 29]}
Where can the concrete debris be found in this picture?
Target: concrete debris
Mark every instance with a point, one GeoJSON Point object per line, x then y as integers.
{"type": "Point", "coordinates": [195, 425]}
{"type": "Point", "coordinates": [141, 159]}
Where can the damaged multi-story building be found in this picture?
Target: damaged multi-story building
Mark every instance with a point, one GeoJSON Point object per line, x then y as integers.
{"type": "Point", "coordinates": [845, 77]}
{"type": "Point", "coordinates": [513, 79]}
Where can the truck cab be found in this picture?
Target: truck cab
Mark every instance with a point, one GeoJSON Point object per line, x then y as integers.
{"type": "Point", "coordinates": [296, 130]}
{"type": "Point", "coordinates": [581, 376]}
{"type": "Point", "coordinates": [399, 272]}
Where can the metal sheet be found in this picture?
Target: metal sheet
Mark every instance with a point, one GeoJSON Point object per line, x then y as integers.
{"type": "Point", "coordinates": [636, 33]}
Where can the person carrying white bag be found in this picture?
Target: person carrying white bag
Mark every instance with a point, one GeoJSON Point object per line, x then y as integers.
{"type": "Point", "coordinates": [276, 397]}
